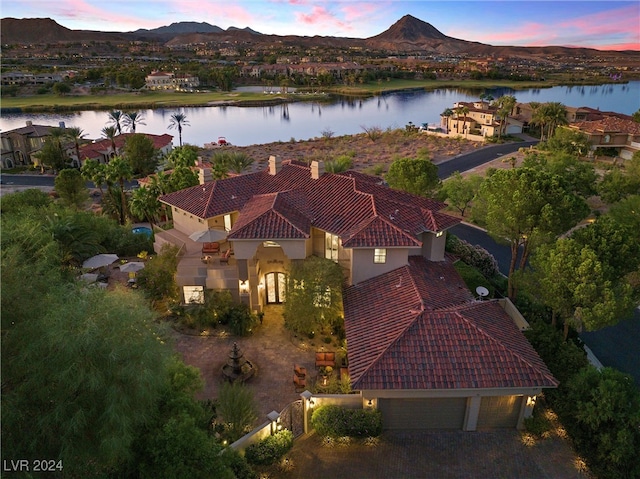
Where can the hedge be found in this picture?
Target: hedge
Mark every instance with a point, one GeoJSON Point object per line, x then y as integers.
{"type": "Point", "coordinates": [270, 449]}
{"type": "Point", "coordinates": [335, 421]}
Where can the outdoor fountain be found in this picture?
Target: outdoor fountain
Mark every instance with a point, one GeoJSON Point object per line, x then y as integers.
{"type": "Point", "coordinates": [237, 368]}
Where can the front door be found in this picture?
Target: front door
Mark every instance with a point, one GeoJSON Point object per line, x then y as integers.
{"type": "Point", "coordinates": [276, 287]}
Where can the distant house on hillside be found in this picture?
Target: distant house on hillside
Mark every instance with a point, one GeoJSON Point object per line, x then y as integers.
{"type": "Point", "coordinates": [171, 81]}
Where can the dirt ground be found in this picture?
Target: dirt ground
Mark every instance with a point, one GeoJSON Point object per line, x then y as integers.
{"type": "Point", "coordinates": [367, 155]}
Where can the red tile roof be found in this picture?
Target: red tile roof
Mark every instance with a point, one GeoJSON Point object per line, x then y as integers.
{"type": "Point", "coordinates": [354, 206]}
{"type": "Point", "coordinates": [610, 124]}
{"type": "Point", "coordinates": [100, 147]}
{"type": "Point", "coordinates": [419, 327]}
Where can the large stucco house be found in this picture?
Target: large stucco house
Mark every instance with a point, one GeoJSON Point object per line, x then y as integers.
{"type": "Point", "coordinates": [477, 121]}
{"type": "Point", "coordinates": [421, 347]}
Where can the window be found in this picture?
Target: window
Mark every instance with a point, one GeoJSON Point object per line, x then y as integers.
{"type": "Point", "coordinates": [270, 244]}
{"type": "Point", "coordinates": [193, 294]}
{"type": "Point", "coordinates": [227, 222]}
{"type": "Point", "coordinates": [380, 255]}
{"type": "Point", "coordinates": [331, 243]}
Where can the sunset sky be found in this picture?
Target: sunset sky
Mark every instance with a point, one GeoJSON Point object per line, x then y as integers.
{"type": "Point", "coordinates": [610, 25]}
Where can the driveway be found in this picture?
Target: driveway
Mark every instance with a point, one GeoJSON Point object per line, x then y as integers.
{"type": "Point", "coordinates": [435, 454]}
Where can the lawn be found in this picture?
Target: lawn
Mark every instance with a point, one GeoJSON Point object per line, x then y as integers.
{"type": "Point", "coordinates": [164, 99]}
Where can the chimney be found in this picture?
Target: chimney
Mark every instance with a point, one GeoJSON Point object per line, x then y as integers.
{"type": "Point", "coordinates": [317, 169]}
{"type": "Point", "coordinates": [275, 164]}
{"type": "Point", "coordinates": [204, 175]}
{"type": "Point", "coordinates": [29, 123]}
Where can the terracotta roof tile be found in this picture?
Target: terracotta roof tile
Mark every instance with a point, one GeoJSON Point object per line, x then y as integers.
{"type": "Point", "coordinates": [271, 216]}
{"type": "Point", "coordinates": [610, 124]}
{"type": "Point", "coordinates": [351, 205]}
{"type": "Point", "coordinates": [419, 327]}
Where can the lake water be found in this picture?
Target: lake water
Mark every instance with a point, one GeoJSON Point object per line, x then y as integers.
{"type": "Point", "coordinates": [304, 120]}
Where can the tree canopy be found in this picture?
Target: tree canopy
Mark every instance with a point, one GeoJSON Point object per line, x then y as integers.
{"type": "Point", "coordinates": [526, 207]}
{"type": "Point", "coordinates": [418, 176]}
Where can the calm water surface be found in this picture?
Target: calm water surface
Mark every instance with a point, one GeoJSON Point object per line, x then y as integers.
{"type": "Point", "coordinates": [257, 125]}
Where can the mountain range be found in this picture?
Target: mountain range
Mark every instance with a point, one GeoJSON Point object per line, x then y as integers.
{"type": "Point", "coordinates": [408, 34]}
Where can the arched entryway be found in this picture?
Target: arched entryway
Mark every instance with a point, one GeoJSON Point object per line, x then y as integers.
{"type": "Point", "coordinates": [275, 285]}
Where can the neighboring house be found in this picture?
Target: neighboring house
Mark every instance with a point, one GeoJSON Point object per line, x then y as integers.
{"type": "Point", "coordinates": [481, 121]}
{"type": "Point", "coordinates": [20, 144]}
{"type": "Point", "coordinates": [102, 150]}
{"type": "Point", "coordinates": [171, 81]}
{"type": "Point", "coordinates": [420, 347]}
{"type": "Point", "coordinates": [612, 132]}
{"type": "Point", "coordinates": [19, 78]}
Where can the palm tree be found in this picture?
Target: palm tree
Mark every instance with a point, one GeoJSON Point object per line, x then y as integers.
{"type": "Point", "coordinates": [133, 118]}
{"type": "Point", "coordinates": [116, 118]}
{"type": "Point", "coordinates": [464, 111]}
{"type": "Point", "coordinates": [145, 205]}
{"type": "Point", "coordinates": [178, 120]}
{"type": "Point", "coordinates": [557, 115]}
{"type": "Point", "coordinates": [76, 134]}
{"type": "Point", "coordinates": [444, 118]}
{"type": "Point", "coordinates": [109, 132]}
{"type": "Point", "coordinates": [505, 103]}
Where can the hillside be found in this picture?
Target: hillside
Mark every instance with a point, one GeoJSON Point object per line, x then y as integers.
{"type": "Point", "coordinates": [407, 35]}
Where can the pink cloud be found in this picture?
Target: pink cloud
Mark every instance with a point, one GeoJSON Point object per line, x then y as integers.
{"type": "Point", "coordinates": [321, 16]}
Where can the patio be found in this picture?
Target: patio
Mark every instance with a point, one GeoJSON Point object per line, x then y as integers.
{"type": "Point", "coordinates": [270, 349]}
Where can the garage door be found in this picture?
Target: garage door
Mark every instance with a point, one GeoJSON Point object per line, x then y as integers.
{"type": "Point", "coordinates": [431, 413]}
{"type": "Point", "coordinates": [499, 412]}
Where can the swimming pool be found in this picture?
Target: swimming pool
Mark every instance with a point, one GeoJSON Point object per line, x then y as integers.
{"type": "Point", "coordinates": [142, 230]}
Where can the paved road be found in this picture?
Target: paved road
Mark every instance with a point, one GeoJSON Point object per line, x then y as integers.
{"type": "Point", "coordinates": [480, 157]}
{"type": "Point", "coordinates": [43, 180]}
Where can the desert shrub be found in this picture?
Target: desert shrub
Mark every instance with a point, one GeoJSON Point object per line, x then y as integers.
{"type": "Point", "coordinates": [270, 449]}
{"type": "Point", "coordinates": [335, 421]}
{"type": "Point", "coordinates": [238, 409]}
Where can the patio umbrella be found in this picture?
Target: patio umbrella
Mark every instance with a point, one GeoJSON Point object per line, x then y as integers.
{"type": "Point", "coordinates": [132, 267]}
{"type": "Point", "coordinates": [99, 260]}
{"type": "Point", "coordinates": [208, 236]}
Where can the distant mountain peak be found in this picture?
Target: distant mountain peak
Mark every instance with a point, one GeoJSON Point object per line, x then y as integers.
{"type": "Point", "coordinates": [411, 29]}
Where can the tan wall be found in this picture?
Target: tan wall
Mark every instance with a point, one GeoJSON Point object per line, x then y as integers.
{"type": "Point", "coordinates": [433, 247]}
{"type": "Point", "coordinates": [364, 268]}
{"type": "Point", "coordinates": [186, 222]}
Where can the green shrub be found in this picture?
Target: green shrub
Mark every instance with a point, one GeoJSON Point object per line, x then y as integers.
{"type": "Point", "coordinates": [238, 464]}
{"type": "Point", "coordinates": [240, 319]}
{"type": "Point", "coordinates": [537, 424]}
{"type": "Point", "coordinates": [335, 421]}
{"type": "Point", "coordinates": [270, 449]}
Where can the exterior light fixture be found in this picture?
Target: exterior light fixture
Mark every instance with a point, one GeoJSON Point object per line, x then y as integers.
{"type": "Point", "coordinates": [439, 233]}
